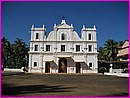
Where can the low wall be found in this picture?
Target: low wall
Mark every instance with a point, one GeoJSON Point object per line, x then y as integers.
{"type": "Point", "coordinates": [118, 74]}
{"type": "Point", "coordinates": [13, 70]}
{"type": "Point", "coordinates": [117, 70]}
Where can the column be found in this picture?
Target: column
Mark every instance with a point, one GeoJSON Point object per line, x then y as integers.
{"type": "Point", "coordinates": [41, 63]}
{"type": "Point", "coordinates": [110, 70]}
{"type": "Point", "coordinates": [57, 60]}
{"type": "Point", "coordinates": [30, 63]}
{"type": "Point", "coordinates": [81, 67]}
{"type": "Point", "coordinates": [43, 68]}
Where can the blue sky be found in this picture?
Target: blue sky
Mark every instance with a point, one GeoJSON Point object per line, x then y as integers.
{"type": "Point", "coordinates": [110, 18]}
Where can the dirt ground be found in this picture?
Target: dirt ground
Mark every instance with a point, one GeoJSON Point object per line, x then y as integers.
{"type": "Point", "coordinates": [27, 84]}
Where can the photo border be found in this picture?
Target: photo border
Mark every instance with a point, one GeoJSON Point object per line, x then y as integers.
{"type": "Point", "coordinates": [57, 1]}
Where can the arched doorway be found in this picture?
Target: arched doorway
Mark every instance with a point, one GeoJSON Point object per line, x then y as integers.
{"type": "Point", "coordinates": [47, 67]}
{"type": "Point", "coordinates": [63, 65]}
{"type": "Point", "coordinates": [78, 65]}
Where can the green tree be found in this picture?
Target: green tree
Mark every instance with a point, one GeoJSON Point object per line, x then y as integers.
{"type": "Point", "coordinates": [101, 53]}
{"type": "Point", "coordinates": [102, 69]}
{"type": "Point", "coordinates": [14, 55]}
{"type": "Point", "coordinates": [120, 43]}
{"type": "Point", "coordinates": [111, 50]}
{"type": "Point", "coordinates": [20, 53]}
{"type": "Point", "coordinates": [6, 52]}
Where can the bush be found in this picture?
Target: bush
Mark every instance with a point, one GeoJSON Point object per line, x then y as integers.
{"type": "Point", "coordinates": [102, 69]}
{"type": "Point", "coordinates": [125, 70]}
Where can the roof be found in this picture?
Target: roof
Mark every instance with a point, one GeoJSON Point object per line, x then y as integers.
{"type": "Point", "coordinates": [63, 25]}
{"type": "Point", "coordinates": [125, 45]}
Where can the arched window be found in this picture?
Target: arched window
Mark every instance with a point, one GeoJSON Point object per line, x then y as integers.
{"type": "Point", "coordinates": [35, 64]}
{"type": "Point", "coordinates": [63, 36]}
{"type": "Point", "coordinates": [90, 64]}
{"type": "Point", "coordinates": [37, 35]}
{"type": "Point", "coordinates": [89, 37]}
{"type": "Point", "coordinates": [36, 48]}
{"type": "Point", "coordinates": [89, 48]}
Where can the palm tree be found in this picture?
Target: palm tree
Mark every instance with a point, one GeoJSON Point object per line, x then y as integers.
{"type": "Point", "coordinates": [120, 43]}
{"type": "Point", "coordinates": [20, 52]}
{"type": "Point", "coordinates": [111, 49]}
{"type": "Point", "coordinates": [101, 53]}
{"type": "Point", "coordinates": [6, 52]}
{"type": "Point", "coordinates": [15, 55]}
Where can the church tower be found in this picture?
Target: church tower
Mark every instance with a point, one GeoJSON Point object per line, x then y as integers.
{"type": "Point", "coordinates": [37, 35]}
{"type": "Point", "coordinates": [89, 34]}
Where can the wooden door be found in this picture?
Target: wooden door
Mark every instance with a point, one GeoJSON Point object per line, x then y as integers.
{"type": "Point", "coordinates": [78, 67]}
{"type": "Point", "coordinates": [47, 67]}
{"type": "Point", "coordinates": [62, 65]}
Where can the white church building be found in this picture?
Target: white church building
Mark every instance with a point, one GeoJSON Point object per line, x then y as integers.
{"type": "Point", "coordinates": [63, 51]}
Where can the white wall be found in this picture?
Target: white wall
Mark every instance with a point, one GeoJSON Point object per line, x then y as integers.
{"type": "Point", "coordinates": [54, 40]}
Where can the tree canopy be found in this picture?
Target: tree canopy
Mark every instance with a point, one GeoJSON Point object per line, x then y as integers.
{"type": "Point", "coordinates": [14, 55]}
{"type": "Point", "coordinates": [110, 50]}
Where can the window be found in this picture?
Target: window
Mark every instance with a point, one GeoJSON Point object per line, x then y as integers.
{"type": "Point", "coordinates": [37, 35]}
{"type": "Point", "coordinates": [90, 64]}
{"type": "Point", "coordinates": [77, 48]}
{"type": "Point", "coordinates": [63, 36]}
{"type": "Point", "coordinates": [35, 64]}
{"type": "Point", "coordinates": [89, 36]}
{"type": "Point", "coordinates": [62, 47]}
{"type": "Point", "coordinates": [36, 48]}
{"type": "Point", "coordinates": [47, 47]}
{"type": "Point", "coordinates": [90, 48]}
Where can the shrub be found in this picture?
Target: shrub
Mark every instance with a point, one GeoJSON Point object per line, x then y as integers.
{"type": "Point", "coordinates": [102, 69]}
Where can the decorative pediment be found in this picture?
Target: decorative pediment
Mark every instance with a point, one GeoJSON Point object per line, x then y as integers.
{"type": "Point", "coordinates": [63, 25]}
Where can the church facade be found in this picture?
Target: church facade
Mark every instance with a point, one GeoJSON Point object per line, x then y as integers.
{"type": "Point", "coordinates": [63, 51]}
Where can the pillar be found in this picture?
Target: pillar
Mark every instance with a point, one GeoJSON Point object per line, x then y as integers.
{"type": "Point", "coordinates": [41, 63]}
{"type": "Point", "coordinates": [110, 68]}
{"type": "Point", "coordinates": [30, 63]}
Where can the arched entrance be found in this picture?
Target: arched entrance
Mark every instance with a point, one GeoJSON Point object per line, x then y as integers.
{"type": "Point", "coordinates": [47, 67]}
{"type": "Point", "coordinates": [78, 65]}
{"type": "Point", "coordinates": [62, 65]}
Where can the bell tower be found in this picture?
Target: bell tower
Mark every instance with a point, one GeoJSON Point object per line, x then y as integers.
{"type": "Point", "coordinates": [88, 34]}
{"type": "Point", "coordinates": [38, 34]}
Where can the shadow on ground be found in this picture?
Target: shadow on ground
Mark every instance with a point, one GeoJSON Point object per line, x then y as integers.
{"type": "Point", "coordinates": [31, 89]}
{"type": "Point", "coordinates": [119, 94]}
{"type": "Point", "coordinates": [12, 73]}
